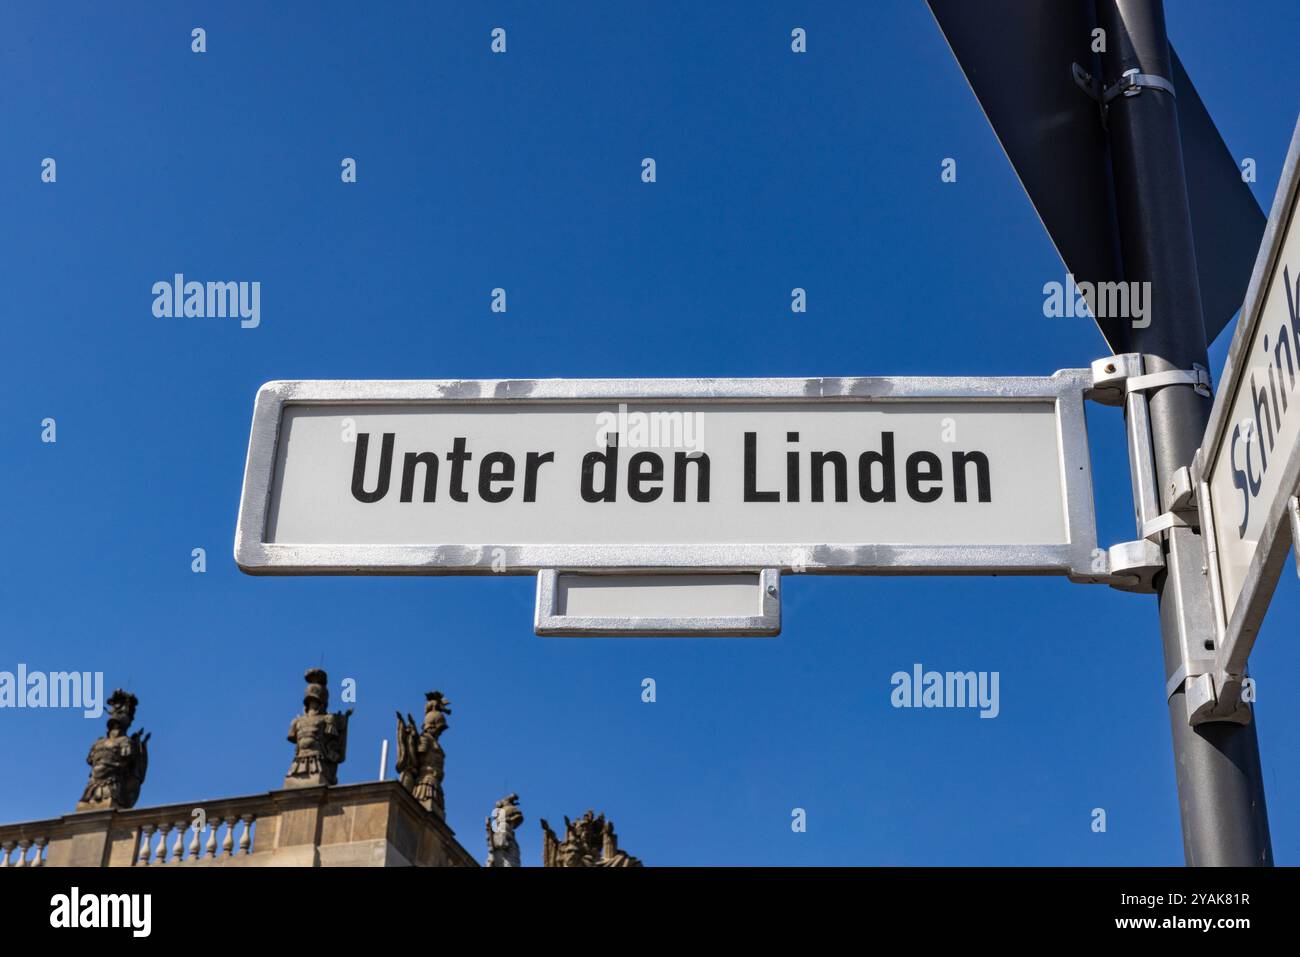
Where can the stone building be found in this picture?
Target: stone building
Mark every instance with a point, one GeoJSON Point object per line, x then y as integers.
{"type": "Point", "coordinates": [311, 821]}
{"type": "Point", "coordinates": [374, 824]}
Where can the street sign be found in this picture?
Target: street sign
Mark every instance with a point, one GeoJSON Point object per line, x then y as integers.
{"type": "Point", "coordinates": [865, 475]}
{"type": "Point", "coordinates": [1248, 468]}
{"type": "Point", "coordinates": [1018, 56]}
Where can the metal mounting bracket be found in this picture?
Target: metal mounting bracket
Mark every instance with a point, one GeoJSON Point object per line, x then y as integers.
{"type": "Point", "coordinates": [1110, 377]}
{"type": "Point", "coordinates": [1182, 491]}
{"type": "Point", "coordinates": [1131, 83]}
{"type": "Point", "coordinates": [1213, 683]}
{"type": "Point", "coordinates": [1211, 696]}
{"type": "Point", "coordinates": [1123, 380]}
{"type": "Point", "coordinates": [1183, 511]}
{"type": "Point", "coordinates": [1134, 566]}
{"type": "Point", "coordinates": [1085, 81]}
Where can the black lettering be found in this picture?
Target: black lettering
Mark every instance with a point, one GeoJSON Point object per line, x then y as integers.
{"type": "Point", "coordinates": [609, 472]}
{"type": "Point", "coordinates": [1292, 301]}
{"type": "Point", "coordinates": [359, 468]}
{"type": "Point", "coordinates": [792, 470]}
{"type": "Point", "coordinates": [532, 463]}
{"type": "Point", "coordinates": [1240, 481]}
{"type": "Point", "coordinates": [1272, 384]}
{"type": "Point", "coordinates": [1284, 340]}
{"type": "Point", "coordinates": [883, 458]}
{"type": "Point", "coordinates": [819, 462]}
{"type": "Point", "coordinates": [701, 463]}
{"type": "Point", "coordinates": [1260, 400]}
{"type": "Point", "coordinates": [932, 473]}
{"type": "Point", "coordinates": [488, 473]}
{"type": "Point", "coordinates": [959, 462]}
{"type": "Point", "coordinates": [751, 472]}
{"type": "Point", "coordinates": [430, 463]}
{"type": "Point", "coordinates": [637, 475]}
{"type": "Point", "coordinates": [458, 457]}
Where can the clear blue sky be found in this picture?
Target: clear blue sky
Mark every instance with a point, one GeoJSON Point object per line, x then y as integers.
{"type": "Point", "coordinates": [522, 171]}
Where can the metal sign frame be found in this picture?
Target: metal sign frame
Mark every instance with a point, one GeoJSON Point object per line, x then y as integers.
{"type": "Point", "coordinates": [1237, 633]}
{"type": "Point", "coordinates": [550, 619]}
{"type": "Point", "coordinates": [1065, 389]}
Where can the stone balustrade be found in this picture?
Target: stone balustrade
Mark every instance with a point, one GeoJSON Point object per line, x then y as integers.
{"type": "Point", "coordinates": [371, 824]}
{"type": "Point", "coordinates": [23, 851]}
{"type": "Point", "coordinates": [166, 838]}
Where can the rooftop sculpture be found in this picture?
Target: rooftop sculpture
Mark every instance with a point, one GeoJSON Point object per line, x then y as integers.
{"type": "Point", "coordinates": [589, 841]}
{"type": "Point", "coordinates": [503, 847]}
{"type": "Point", "coordinates": [320, 739]}
{"type": "Point", "coordinates": [117, 763]}
{"type": "Point", "coordinates": [420, 757]}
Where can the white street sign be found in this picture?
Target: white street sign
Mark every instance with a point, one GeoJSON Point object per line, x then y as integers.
{"type": "Point", "coordinates": [1249, 464]}
{"type": "Point", "coordinates": [869, 475]}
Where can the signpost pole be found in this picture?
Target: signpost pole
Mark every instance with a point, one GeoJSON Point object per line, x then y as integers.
{"type": "Point", "coordinates": [1220, 786]}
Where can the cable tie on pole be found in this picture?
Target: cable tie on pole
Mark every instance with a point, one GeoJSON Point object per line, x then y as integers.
{"type": "Point", "coordinates": [1154, 529]}
{"type": "Point", "coordinates": [1132, 82]}
{"type": "Point", "coordinates": [1198, 377]}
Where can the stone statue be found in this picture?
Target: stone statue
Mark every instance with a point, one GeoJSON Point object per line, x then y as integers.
{"type": "Point", "coordinates": [320, 739]}
{"type": "Point", "coordinates": [589, 841]}
{"type": "Point", "coordinates": [420, 757]}
{"type": "Point", "coordinates": [503, 848]}
{"type": "Point", "coordinates": [117, 763]}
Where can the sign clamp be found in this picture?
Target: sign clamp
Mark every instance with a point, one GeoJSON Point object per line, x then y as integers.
{"type": "Point", "coordinates": [1212, 694]}
{"type": "Point", "coordinates": [1215, 676]}
{"type": "Point", "coordinates": [1130, 83]}
{"type": "Point", "coordinates": [1182, 512]}
{"type": "Point", "coordinates": [1122, 380]}
{"type": "Point", "coordinates": [1119, 381]}
{"type": "Point", "coordinates": [1213, 681]}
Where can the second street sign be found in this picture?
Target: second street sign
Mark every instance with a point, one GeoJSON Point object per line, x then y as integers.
{"type": "Point", "coordinates": [1249, 463]}
{"type": "Point", "coordinates": [868, 475]}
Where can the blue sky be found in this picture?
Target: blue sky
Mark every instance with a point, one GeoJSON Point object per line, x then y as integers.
{"type": "Point", "coordinates": [522, 171]}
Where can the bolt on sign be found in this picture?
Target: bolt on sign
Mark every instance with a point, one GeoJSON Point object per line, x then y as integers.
{"type": "Point", "coordinates": [1248, 467]}
{"type": "Point", "coordinates": [865, 475]}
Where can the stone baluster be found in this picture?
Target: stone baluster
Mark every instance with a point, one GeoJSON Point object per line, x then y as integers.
{"type": "Point", "coordinates": [228, 842]}
{"type": "Point", "coordinates": [23, 845]}
{"type": "Point", "coordinates": [246, 838]}
{"type": "Point", "coordinates": [194, 843]}
{"type": "Point", "coordinates": [160, 853]}
{"type": "Point", "coordinates": [210, 848]}
{"type": "Point", "coordinates": [5, 852]}
{"type": "Point", "coordinates": [39, 859]}
{"type": "Point", "coordinates": [178, 848]}
{"type": "Point", "coordinates": [146, 835]}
